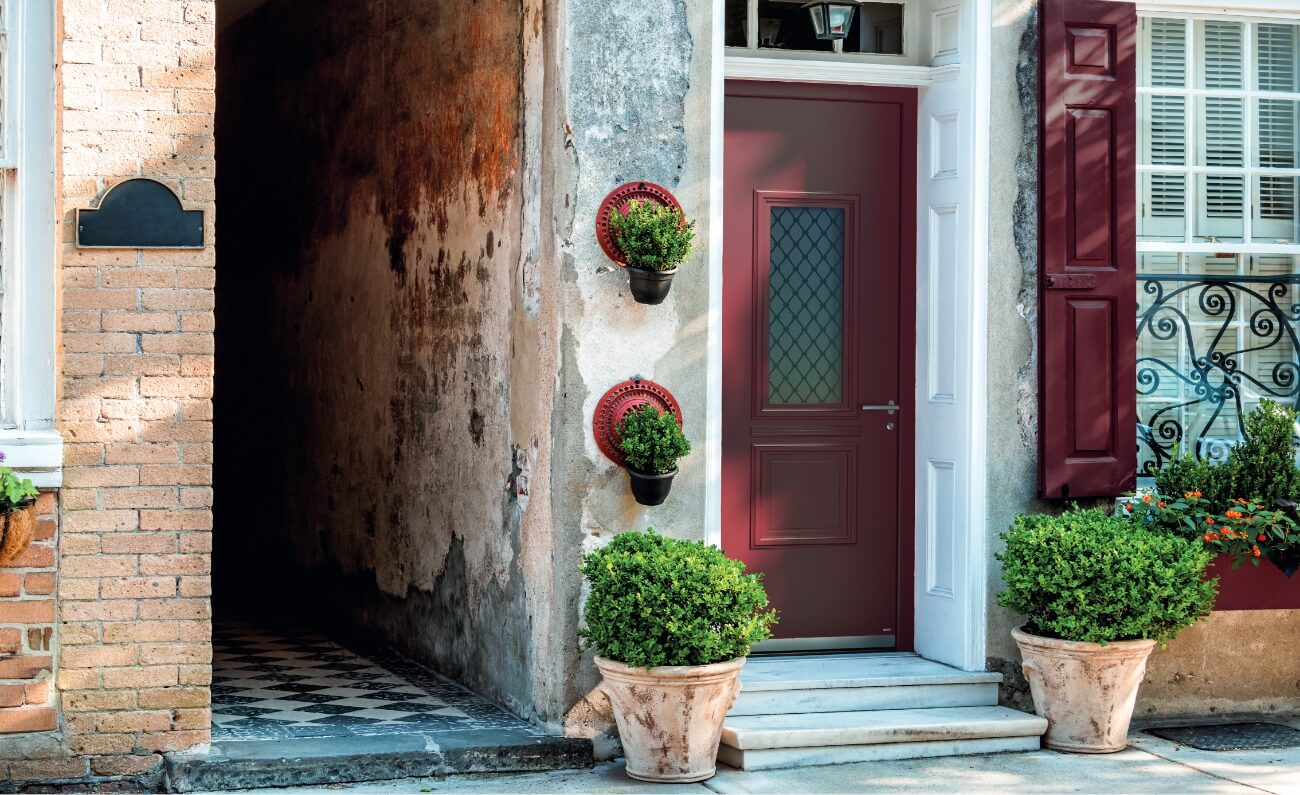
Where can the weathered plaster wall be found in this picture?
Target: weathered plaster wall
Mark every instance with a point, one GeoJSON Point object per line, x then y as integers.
{"type": "Point", "coordinates": [1240, 661]}
{"type": "Point", "coordinates": [636, 103]}
{"type": "Point", "coordinates": [388, 366]}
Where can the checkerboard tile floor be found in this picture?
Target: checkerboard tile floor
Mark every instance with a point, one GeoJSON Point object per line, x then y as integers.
{"type": "Point", "coordinates": [282, 685]}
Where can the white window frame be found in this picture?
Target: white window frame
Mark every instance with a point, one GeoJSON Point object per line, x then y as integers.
{"type": "Point", "coordinates": [28, 317]}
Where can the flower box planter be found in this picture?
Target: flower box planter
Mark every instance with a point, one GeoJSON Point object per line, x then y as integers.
{"type": "Point", "coordinates": [1262, 587]}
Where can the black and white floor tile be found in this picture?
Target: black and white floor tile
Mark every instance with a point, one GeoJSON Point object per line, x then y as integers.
{"type": "Point", "coordinates": [277, 685]}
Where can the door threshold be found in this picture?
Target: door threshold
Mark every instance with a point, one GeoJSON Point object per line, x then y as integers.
{"type": "Point", "coordinates": [846, 644]}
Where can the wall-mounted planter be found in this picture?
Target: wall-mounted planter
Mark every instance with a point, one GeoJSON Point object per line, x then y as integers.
{"type": "Point", "coordinates": [16, 531]}
{"type": "Point", "coordinates": [650, 489]}
{"type": "Point", "coordinates": [647, 286]}
{"type": "Point", "coordinates": [611, 410]}
{"type": "Point", "coordinates": [650, 287]}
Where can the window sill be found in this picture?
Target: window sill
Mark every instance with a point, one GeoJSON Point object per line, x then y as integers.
{"type": "Point", "coordinates": [34, 454]}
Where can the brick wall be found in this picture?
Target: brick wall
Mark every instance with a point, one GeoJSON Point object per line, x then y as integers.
{"type": "Point", "coordinates": [137, 88]}
{"type": "Point", "coordinates": [27, 631]}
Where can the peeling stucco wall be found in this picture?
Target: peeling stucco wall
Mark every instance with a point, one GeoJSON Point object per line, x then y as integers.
{"type": "Point", "coordinates": [1190, 677]}
{"type": "Point", "coordinates": [637, 107]}
{"type": "Point", "coordinates": [391, 359]}
{"type": "Point", "coordinates": [1012, 293]}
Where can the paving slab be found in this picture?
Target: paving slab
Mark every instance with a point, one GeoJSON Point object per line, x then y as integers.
{"type": "Point", "coordinates": [1131, 771]}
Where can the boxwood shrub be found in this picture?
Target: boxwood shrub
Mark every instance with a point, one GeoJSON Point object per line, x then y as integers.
{"type": "Point", "coordinates": [661, 601]}
{"type": "Point", "coordinates": [1088, 576]}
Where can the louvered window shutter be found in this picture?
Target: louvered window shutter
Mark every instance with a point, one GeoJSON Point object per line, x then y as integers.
{"type": "Point", "coordinates": [1223, 204]}
{"type": "Point", "coordinates": [1163, 203]}
{"type": "Point", "coordinates": [1087, 257]}
{"type": "Point", "coordinates": [1277, 61]}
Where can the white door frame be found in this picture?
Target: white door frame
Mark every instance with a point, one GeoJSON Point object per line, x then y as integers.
{"type": "Point", "coordinates": [950, 577]}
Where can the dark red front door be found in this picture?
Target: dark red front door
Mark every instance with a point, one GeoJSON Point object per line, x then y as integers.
{"type": "Point", "coordinates": [818, 286]}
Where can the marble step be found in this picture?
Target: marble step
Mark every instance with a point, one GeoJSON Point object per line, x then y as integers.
{"type": "Point", "coordinates": [858, 682]}
{"type": "Point", "coordinates": [756, 742]}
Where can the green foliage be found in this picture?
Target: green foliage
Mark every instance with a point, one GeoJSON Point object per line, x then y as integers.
{"type": "Point", "coordinates": [651, 440]}
{"type": "Point", "coordinates": [651, 236]}
{"type": "Point", "coordinates": [1263, 467]}
{"type": "Point", "coordinates": [660, 601]}
{"type": "Point", "coordinates": [15, 492]}
{"type": "Point", "coordinates": [1187, 474]}
{"type": "Point", "coordinates": [1088, 576]}
{"type": "Point", "coordinates": [1244, 531]}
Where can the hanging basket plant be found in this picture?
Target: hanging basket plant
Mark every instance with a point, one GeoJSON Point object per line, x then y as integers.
{"type": "Point", "coordinates": [652, 441]}
{"type": "Point", "coordinates": [642, 227]}
{"type": "Point", "coordinates": [17, 514]}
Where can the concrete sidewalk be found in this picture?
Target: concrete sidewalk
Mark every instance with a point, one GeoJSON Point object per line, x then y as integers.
{"type": "Point", "coordinates": [1149, 765]}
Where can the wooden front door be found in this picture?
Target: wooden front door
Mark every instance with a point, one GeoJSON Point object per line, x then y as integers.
{"type": "Point", "coordinates": [818, 313]}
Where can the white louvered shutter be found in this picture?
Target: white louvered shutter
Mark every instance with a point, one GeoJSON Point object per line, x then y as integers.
{"type": "Point", "coordinates": [1163, 117]}
{"type": "Point", "coordinates": [1276, 60]}
{"type": "Point", "coordinates": [1222, 140]}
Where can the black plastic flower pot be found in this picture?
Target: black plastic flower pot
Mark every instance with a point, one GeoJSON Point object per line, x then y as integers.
{"type": "Point", "coordinates": [650, 287]}
{"type": "Point", "coordinates": [650, 489]}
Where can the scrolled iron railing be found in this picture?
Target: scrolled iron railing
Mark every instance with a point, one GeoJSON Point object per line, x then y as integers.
{"type": "Point", "coordinates": [1209, 348]}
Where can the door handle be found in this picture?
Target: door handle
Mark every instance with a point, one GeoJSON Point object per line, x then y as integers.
{"type": "Point", "coordinates": [891, 407]}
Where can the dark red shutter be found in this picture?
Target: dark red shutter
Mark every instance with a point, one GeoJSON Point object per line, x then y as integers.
{"type": "Point", "coordinates": [1087, 237]}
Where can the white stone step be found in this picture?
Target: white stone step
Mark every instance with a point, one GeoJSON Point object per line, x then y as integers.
{"type": "Point", "coordinates": [755, 742]}
{"type": "Point", "coordinates": [858, 682]}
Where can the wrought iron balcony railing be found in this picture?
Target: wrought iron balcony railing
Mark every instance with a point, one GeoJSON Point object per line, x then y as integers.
{"type": "Point", "coordinates": [1209, 348]}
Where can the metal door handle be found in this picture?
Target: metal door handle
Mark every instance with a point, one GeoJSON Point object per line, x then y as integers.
{"type": "Point", "coordinates": [891, 407]}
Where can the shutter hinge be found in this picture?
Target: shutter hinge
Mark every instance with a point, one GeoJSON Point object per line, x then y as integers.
{"type": "Point", "coordinates": [1070, 281]}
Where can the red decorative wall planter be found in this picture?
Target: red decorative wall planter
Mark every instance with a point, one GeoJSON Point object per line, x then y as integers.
{"type": "Point", "coordinates": [618, 200]}
{"type": "Point", "coordinates": [621, 400]}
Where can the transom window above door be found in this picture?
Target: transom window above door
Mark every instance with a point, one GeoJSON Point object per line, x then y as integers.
{"type": "Point", "coordinates": [787, 25]}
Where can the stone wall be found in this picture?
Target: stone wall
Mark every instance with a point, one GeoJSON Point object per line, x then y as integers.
{"type": "Point", "coordinates": [386, 358]}
{"type": "Point", "coordinates": [132, 644]}
{"type": "Point", "coordinates": [637, 104]}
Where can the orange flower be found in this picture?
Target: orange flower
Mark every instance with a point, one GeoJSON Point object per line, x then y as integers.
{"type": "Point", "coordinates": [1160, 505]}
{"type": "Point", "coordinates": [1255, 551]}
{"type": "Point", "coordinates": [1196, 493]}
{"type": "Point", "coordinates": [1146, 498]}
{"type": "Point", "coordinates": [1209, 520]}
{"type": "Point", "coordinates": [1261, 537]}
{"type": "Point", "coordinates": [1232, 514]}
{"type": "Point", "coordinates": [1127, 508]}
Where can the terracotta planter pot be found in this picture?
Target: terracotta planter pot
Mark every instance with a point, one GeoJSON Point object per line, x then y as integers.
{"type": "Point", "coordinates": [670, 718]}
{"type": "Point", "coordinates": [16, 530]}
{"type": "Point", "coordinates": [1085, 690]}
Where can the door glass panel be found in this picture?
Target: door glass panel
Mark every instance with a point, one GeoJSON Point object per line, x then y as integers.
{"type": "Point", "coordinates": [805, 330]}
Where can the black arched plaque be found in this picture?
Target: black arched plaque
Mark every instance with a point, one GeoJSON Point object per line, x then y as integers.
{"type": "Point", "coordinates": [140, 213]}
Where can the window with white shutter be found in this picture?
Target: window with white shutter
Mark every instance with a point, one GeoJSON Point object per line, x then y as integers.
{"type": "Point", "coordinates": [1218, 242]}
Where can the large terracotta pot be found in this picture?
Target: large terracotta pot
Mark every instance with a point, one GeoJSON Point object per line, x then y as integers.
{"type": "Point", "coordinates": [670, 718]}
{"type": "Point", "coordinates": [1085, 690]}
{"type": "Point", "coordinates": [16, 531]}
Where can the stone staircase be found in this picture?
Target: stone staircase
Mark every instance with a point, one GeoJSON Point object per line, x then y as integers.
{"type": "Point", "coordinates": [830, 709]}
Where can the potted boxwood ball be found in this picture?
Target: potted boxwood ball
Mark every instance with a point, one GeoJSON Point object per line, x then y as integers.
{"type": "Point", "coordinates": [1098, 592]}
{"type": "Point", "coordinates": [672, 622]}
{"type": "Point", "coordinates": [654, 240]}
{"type": "Point", "coordinates": [651, 441]}
{"type": "Point", "coordinates": [17, 514]}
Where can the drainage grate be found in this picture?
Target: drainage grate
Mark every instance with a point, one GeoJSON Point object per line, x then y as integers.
{"type": "Point", "coordinates": [1231, 736]}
